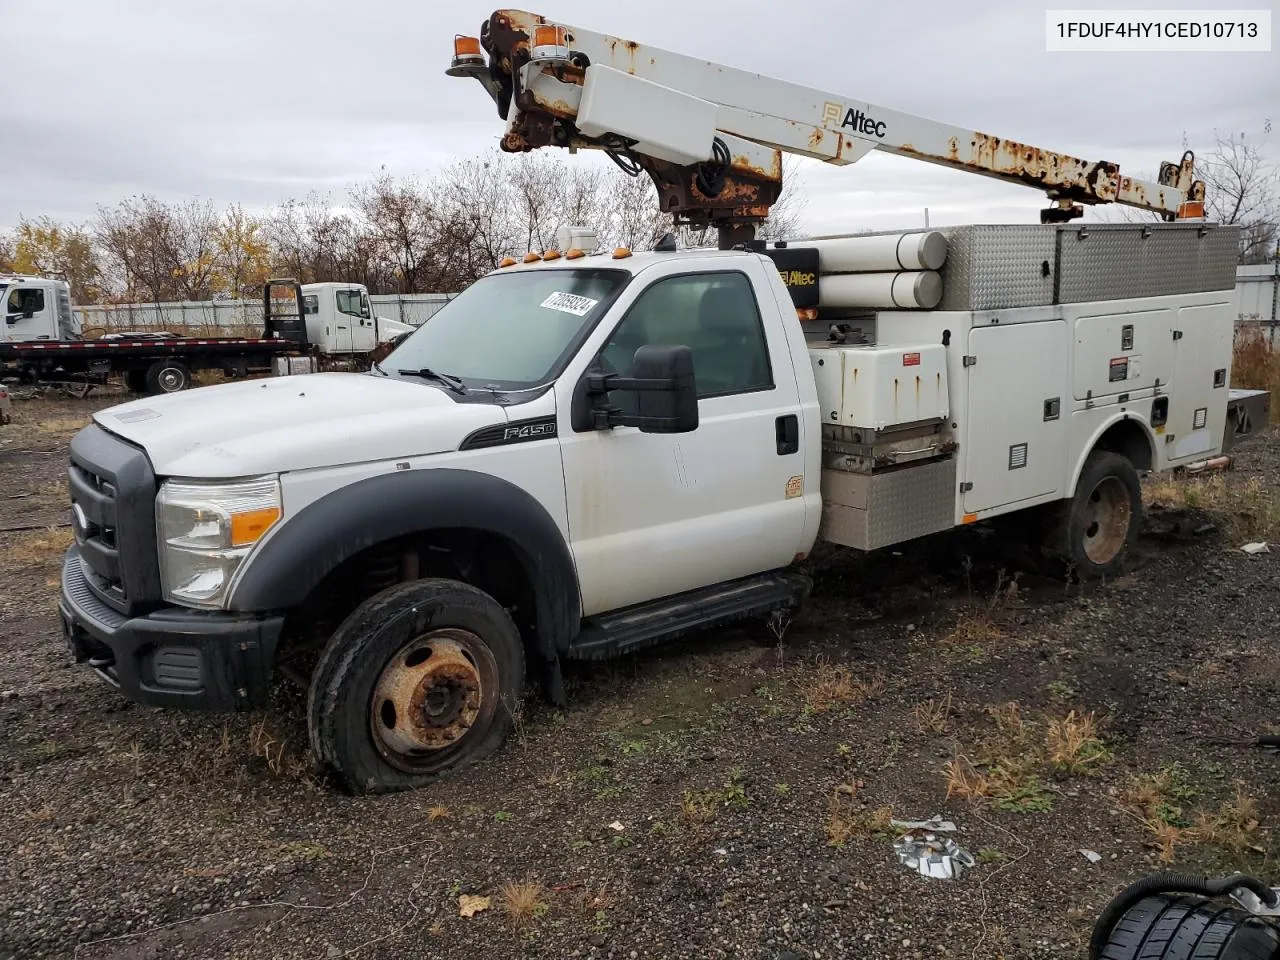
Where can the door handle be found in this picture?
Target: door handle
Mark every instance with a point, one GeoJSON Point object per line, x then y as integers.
{"type": "Point", "coordinates": [787, 432]}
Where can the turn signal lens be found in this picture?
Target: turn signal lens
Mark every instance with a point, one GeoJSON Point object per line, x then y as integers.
{"type": "Point", "coordinates": [248, 527]}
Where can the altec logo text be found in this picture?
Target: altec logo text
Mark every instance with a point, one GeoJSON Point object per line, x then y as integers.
{"type": "Point", "coordinates": [798, 278]}
{"type": "Point", "coordinates": [859, 122]}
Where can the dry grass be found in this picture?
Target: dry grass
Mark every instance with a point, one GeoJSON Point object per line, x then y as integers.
{"type": "Point", "coordinates": [697, 809]}
{"type": "Point", "coordinates": [932, 716]}
{"type": "Point", "coordinates": [523, 902]}
{"type": "Point", "coordinates": [1073, 744]}
{"type": "Point", "coordinates": [438, 812]}
{"type": "Point", "coordinates": [1159, 799]}
{"type": "Point", "coordinates": [833, 686]}
{"type": "Point", "coordinates": [65, 426]}
{"type": "Point", "coordinates": [1255, 363]}
{"type": "Point", "coordinates": [974, 628]}
{"type": "Point", "coordinates": [1007, 767]}
{"type": "Point", "coordinates": [848, 820]}
{"type": "Point", "coordinates": [965, 781]}
{"type": "Point", "coordinates": [1234, 826]}
{"type": "Point", "coordinates": [40, 546]}
{"type": "Point", "coordinates": [1250, 510]}
{"type": "Point", "coordinates": [1166, 838]}
{"type": "Point", "coordinates": [275, 753]}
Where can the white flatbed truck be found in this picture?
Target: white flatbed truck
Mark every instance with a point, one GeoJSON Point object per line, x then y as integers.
{"type": "Point", "coordinates": [313, 324]}
{"type": "Point", "coordinates": [587, 452]}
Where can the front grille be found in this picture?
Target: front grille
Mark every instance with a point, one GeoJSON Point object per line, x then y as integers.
{"type": "Point", "coordinates": [113, 515]}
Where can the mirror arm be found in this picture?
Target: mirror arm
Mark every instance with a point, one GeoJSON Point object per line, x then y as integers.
{"type": "Point", "coordinates": [603, 383]}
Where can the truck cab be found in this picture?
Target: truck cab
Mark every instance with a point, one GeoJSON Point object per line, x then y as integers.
{"type": "Point", "coordinates": [36, 308]}
{"type": "Point", "coordinates": [340, 319]}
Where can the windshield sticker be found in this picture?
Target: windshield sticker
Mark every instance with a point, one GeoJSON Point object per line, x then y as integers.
{"type": "Point", "coordinates": [570, 303]}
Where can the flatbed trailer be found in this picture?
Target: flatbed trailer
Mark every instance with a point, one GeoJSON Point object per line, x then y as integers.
{"type": "Point", "coordinates": [147, 365]}
{"type": "Point", "coordinates": [319, 326]}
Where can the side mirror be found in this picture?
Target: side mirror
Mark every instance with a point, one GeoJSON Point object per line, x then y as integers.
{"type": "Point", "coordinates": [12, 318]}
{"type": "Point", "coordinates": [668, 396]}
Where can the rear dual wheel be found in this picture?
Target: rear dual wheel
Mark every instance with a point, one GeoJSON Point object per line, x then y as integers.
{"type": "Point", "coordinates": [423, 678]}
{"type": "Point", "coordinates": [1093, 532]}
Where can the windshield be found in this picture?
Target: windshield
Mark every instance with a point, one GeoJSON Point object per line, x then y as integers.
{"type": "Point", "coordinates": [511, 331]}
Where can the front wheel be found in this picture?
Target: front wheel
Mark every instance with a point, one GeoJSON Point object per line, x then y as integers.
{"type": "Point", "coordinates": [421, 679]}
{"type": "Point", "coordinates": [1093, 532]}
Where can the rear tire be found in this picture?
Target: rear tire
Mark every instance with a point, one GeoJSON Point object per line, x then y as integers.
{"type": "Point", "coordinates": [167, 376]}
{"type": "Point", "coordinates": [1093, 532]}
{"type": "Point", "coordinates": [420, 680]}
{"type": "Point", "coordinates": [1171, 927]}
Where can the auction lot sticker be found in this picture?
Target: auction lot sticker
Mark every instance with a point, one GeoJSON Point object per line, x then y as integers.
{"type": "Point", "coordinates": [570, 303]}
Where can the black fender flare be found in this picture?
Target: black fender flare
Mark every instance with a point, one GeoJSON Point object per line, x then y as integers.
{"type": "Point", "coordinates": [341, 524]}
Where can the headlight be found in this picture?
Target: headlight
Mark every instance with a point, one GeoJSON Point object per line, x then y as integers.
{"type": "Point", "coordinates": [206, 530]}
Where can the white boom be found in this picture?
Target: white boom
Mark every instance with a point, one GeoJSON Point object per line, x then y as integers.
{"type": "Point", "coordinates": [712, 136]}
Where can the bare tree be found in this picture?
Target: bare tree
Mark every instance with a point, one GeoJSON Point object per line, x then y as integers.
{"type": "Point", "coordinates": [136, 237]}
{"type": "Point", "coordinates": [401, 220]}
{"type": "Point", "coordinates": [6, 254]}
{"type": "Point", "coordinates": [191, 245]}
{"type": "Point", "coordinates": [1242, 187]}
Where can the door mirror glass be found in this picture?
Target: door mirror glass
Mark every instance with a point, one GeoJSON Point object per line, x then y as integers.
{"type": "Point", "coordinates": [667, 393]}
{"type": "Point", "coordinates": [660, 397]}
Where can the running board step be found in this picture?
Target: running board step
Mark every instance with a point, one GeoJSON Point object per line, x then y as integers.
{"type": "Point", "coordinates": [645, 624]}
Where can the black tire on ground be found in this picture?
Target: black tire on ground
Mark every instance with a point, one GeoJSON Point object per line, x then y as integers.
{"type": "Point", "coordinates": [422, 679]}
{"type": "Point", "coordinates": [167, 376]}
{"type": "Point", "coordinates": [1092, 532]}
{"type": "Point", "coordinates": [136, 381]}
{"type": "Point", "coordinates": [1178, 927]}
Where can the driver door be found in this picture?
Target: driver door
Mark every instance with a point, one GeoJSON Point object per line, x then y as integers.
{"type": "Point", "coordinates": [23, 300]}
{"type": "Point", "coordinates": [346, 316]}
{"type": "Point", "coordinates": [653, 515]}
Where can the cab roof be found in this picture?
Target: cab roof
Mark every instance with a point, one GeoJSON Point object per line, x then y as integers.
{"type": "Point", "coordinates": [633, 264]}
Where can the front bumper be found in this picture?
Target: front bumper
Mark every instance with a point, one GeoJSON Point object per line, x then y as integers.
{"type": "Point", "coordinates": [173, 657]}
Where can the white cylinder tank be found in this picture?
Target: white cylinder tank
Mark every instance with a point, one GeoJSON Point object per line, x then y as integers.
{"type": "Point", "coordinates": [917, 290]}
{"type": "Point", "coordinates": [901, 251]}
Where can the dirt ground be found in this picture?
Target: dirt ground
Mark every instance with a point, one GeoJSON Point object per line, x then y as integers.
{"type": "Point", "coordinates": [714, 798]}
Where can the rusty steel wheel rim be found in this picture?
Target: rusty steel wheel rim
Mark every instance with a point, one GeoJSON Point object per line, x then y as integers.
{"type": "Point", "coordinates": [431, 696]}
{"type": "Point", "coordinates": [1107, 516]}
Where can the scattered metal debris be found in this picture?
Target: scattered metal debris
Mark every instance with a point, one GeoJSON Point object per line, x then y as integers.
{"type": "Point", "coordinates": [934, 824]}
{"type": "Point", "coordinates": [1255, 548]}
{"type": "Point", "coordinates": [1090, 855]}
{"type": "Point", "coordinates": [932, 856]}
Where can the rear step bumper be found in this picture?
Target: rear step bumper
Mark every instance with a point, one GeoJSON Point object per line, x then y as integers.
{"type": "Point", "coordinates": [645, 624]}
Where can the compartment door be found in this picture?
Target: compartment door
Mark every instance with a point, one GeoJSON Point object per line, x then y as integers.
{"type": "Point", "coordinates": [1015, 432]}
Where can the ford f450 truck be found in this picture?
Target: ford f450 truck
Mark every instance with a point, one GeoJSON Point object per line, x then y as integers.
{"type": "Point", "coordinates": [588, 452]}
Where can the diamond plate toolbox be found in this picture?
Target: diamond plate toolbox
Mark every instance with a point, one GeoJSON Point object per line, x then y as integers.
{"type": "Point", "coordinates": [1000, 266]}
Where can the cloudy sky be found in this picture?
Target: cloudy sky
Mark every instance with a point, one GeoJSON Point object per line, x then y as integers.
{"type": "Point", "coordinates": [255, 102]}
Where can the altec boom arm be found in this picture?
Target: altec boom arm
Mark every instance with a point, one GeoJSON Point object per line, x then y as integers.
{"type": "Point", "coordinates": [712, 137]}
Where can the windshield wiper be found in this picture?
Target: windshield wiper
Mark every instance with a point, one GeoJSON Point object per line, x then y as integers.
{"type": "Point", "coordinates": [453, 383]}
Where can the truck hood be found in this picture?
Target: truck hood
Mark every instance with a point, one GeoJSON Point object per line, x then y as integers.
{"type": "Point", "coordinates": [294, 423]}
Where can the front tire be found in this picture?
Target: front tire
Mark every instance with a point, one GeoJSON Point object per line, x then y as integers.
{"type": "Point", "coordinates": [420, 680]}
{"type": "Point", "coordinates": [1093, 532]}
